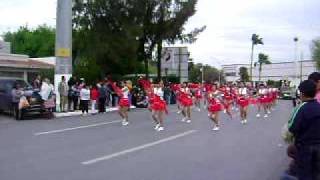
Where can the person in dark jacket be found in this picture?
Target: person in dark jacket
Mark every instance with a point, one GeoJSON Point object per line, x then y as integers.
{"type": "Point", "coordinates": [17, 93]}
{"type": "Point", "coordinates": [102, 97]}
{"type": "Point", "coordinates": [305, 125]}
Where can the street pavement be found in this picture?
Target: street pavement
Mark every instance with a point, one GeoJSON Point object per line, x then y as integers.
{"type": "Point", "coordinates": [97, 147]}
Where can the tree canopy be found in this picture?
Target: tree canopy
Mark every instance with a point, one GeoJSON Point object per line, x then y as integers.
{"type": "Point", "coordinates": [38, 42]}
{"type": "Point", "coordinates": [244, 75]}
{"type": "Point", "coordinates": [316, 52]}
{"type": "Point", "coordinates": [210, 73]}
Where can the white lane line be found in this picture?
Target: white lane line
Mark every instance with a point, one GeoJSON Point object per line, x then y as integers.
{"type": "Point", "coordinates": [127, 151]}
{"type": "Point", "coordinates": [74, 128]}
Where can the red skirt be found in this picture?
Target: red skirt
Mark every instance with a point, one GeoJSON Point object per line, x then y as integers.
{"type": "Point", "coordinates": [253, 101]}
{"type": "Point", "coordinates": [159, 105]}
{"type": "Point", "coordinates": [124, 102]}
{"type": "Point", "coordinates": [215, 107]}
{"type": "Point", "coordinates": [186, 101]}
{"type": "Point", "coordinates": [243, 102]}
{"type": "Point", "coordinates": [199, 96]}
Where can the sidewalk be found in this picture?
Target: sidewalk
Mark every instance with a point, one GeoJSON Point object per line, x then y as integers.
{"type": "Point", "coordinates": [78, 113]}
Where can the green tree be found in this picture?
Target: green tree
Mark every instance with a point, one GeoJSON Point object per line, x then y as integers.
{"type": "Point", "coordinates": [243, 72]}
{"type": "Point", "coordinates": [209, 73]}
{"type": "Point", "coordinates": [38, 42]}
{"type": "Point", "coordinates": [107, 31]}
{"type": "Point", "coordinates": [316, 52]}
{"type": "Point", "coordinates": [255, 40]}
{"type": "Point", "coordinates": [263, 59]}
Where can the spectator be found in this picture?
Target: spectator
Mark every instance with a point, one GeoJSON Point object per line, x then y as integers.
{"type": "Point", "coordinates": [17, 93]}
{"type": "Point", "coordinates": [46, 89]}
{"type": "Point", "coordinates": [94, 95]}
{"type": "Point", "coordinates": [102, 97]}
{"type": "Point", "coordinates": [72, 81]}
{"type": "Point", "coordinates": [63, 91]}
{"type": "Point", "coordinates": [84, 99]}
{"type": "Point", "coordinates": [305, 125]}
{"type": "Point", "coordinates": [36, 84]}
{"type": "Point", "coordinates": [315, 77]}
{"type": "Point", "coordinates": [75, 96]}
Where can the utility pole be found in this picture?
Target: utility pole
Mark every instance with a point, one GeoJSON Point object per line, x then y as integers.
{"type": "Point", "coordinates": [179, 65]}
{"type": "Point", "coordinates": [63, 48]}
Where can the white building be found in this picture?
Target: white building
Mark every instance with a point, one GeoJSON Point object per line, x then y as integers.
{"type": "Point", "coordinates": [290, 71]}
{"type": "Point", "coordinates": [175, 62]}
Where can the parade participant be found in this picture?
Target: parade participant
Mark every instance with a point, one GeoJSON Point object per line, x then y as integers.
{"type": "Point", "coordinates": [274, 98]}
{"type": "Point", "coordinates": [123, 92]}
{"type": "Point", "coordinates": [206, 89]}
{"type": "Point", "coordinates": [243, 102]}
{"type": "Point", "coordinates": [186, 102]}
{"type": "Point", "coordinates": [198, 97]}
{"type": "Point", "coordinates": [262, 100]}
{"type": "Point", "coordinates": [227, 101]}
{"type": "Point", "coordinates": [159, 106]}
{"type": "Point", "coordinates": [215, 106]}
{"type": "Point", "coordinates": [234, 93]}
{"type": "Point", "coordinates": [269, 99]}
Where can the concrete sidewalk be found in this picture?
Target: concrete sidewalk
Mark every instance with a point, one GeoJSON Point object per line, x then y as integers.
{"type": "Point", "coordinates": [78, 112]}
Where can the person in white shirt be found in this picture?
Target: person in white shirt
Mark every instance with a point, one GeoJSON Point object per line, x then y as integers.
{"type": "Point", "coordinates": [84, 99]}
{"type": "Point", "coordinates": [159, 106]}
{"type": "Point", "coordinates": [262, 100]}
{"type": "Point", "coordinates": [124, 105]}
{"type": "Point", "coordinates": [243, 103]}
{"type": "Point", "coordinates": [46, 90]}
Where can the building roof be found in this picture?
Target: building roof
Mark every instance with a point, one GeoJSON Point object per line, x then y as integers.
{"type": "Point", "coordinates": [20, 61]}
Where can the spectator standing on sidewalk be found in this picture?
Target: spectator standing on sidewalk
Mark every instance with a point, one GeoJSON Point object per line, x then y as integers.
{"type": "Point", "coordinates": [72, 81]}
{"type": "Point", "coordinates": [17, 93]}
{"type": "Point", "coordinates": [75, 96]}
{"type": "Point", "coordinates": [304, 125]}
{"type": "Point", "coordinates": [36, 84]}
{"type": "Point", "coordinates": [102, 97]}
{"type": "Point", "coordinates": [94, 95]}
{"type": "Point", "coordinates": [84, 99]}
{"type": "Point", "coordinates": [63, 91]}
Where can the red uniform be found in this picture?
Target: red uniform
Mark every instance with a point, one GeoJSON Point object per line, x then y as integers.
{"type": "Point", "coordinates": [185, 98]}
{"type": "Point", "coordinates": [214, 105]}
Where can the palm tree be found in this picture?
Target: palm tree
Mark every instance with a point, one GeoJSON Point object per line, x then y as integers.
{"type": "Point", "coordinates": [263, 59]}
{"type": "Point", "coordinates": [256, 40]}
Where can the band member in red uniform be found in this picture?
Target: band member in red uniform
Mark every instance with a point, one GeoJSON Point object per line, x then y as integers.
{"type": "Point", "coordinates": [186, 102]}
{"type": "Point", "coordinates": [215, 106]}
{"type": "Point", "coordinates": [243, 101]}
{"type": "Point", "coordinates": [227, 101]}
{"type": "Point", "coordinates": [159, 106]}
{"type": "Point", "coordinates": [262, 100]}
{"type": "Point", "coordinates": [198, 97]}
{"type": "Point", "coordinates": [124, 105]}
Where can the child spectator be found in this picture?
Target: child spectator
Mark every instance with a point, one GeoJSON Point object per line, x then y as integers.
{"type": "Point", "coordinates": [94, 95]}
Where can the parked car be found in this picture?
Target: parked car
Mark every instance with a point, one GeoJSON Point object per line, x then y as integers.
{"type": "Point", "coordinates": [286, 93]}
{"type": "Point", "coordinates": [33, 97]}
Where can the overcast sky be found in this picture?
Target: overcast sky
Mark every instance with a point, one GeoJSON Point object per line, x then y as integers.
{"type": "Point", "coordinates": [230, 24]}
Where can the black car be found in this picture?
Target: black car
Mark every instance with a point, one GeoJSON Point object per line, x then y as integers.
{"type": "Point", "coordinates": [33, 97]}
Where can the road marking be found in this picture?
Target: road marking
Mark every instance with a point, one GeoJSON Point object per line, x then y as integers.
{"type": "Point", "coordinates": [74, 128]}
{"type": "Point", "coordinates": [127, 151]}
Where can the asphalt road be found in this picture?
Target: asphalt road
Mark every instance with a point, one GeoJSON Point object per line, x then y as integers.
{"type": "Point", "coordinates": [99, 148]}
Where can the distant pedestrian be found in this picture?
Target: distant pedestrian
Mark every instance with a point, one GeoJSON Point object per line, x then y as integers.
{"type": "Point", "coordinates": [304, 125]}
{"type": "Point", "coordinates": [17, 93]}
{"type": "Point", "coordinates": [84, 99]}
{"type": "Point", "coordinates": [94, 95]}
{"type": "Point", "coordinates": [63, 91]}
{"type": "Point", "coordinates": [102, 97]}
{"type": "Point", "coordinates": [72, 81]}
{"type": "Point", "coordinates": [75, 96]}
{"type": "Point", "coordinates": [36, 84]}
